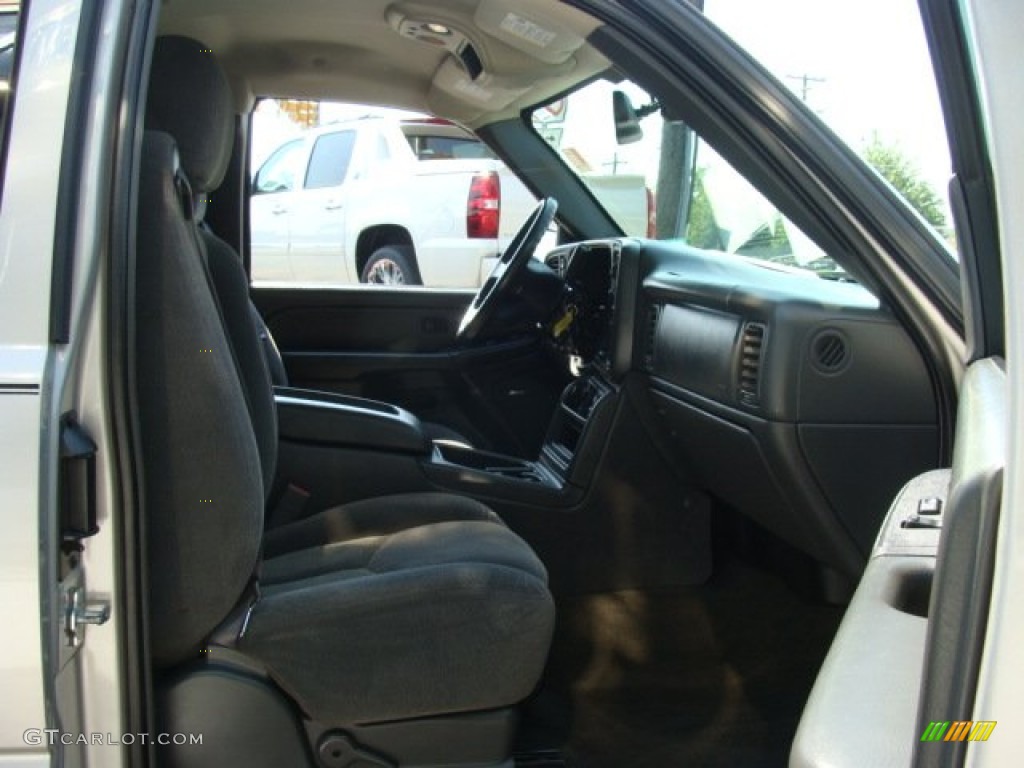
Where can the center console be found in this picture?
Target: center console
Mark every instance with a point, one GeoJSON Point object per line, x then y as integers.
{"type": "Point", "coordinates": [578, 404]}
{"type": "Point", "coordinates": [325, 418]}
{"type": "Point", "coordinates": [595, 332]}
{"type": "Point", "coordinates": [557, 476]}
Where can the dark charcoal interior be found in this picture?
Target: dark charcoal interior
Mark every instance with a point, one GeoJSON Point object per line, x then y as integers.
{"type": "Point", "coordinates": [618, 530]}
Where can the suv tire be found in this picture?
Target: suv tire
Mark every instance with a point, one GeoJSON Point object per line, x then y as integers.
{"type": "Point", "coordinates": [391, 265]}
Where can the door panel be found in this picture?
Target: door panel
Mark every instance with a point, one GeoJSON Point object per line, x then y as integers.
{"type": "Point", "coordinates": [271, 224]}
{"type": "Point", "coordinates": [317, 236]}
{"type": "Point", "coordinates": [271, 211]}
{"type": "Point", "coordinates": [400, 347]}
{"type": "Point", "coordinates": [906, 654]}
{"type": "Point", "coordinates": [361, 319]}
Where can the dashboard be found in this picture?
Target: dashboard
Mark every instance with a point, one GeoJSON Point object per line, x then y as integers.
{"type": "Point", "coordinates": [797, 400]}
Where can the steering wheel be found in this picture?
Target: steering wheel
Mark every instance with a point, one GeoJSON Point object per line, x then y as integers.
{"type": "Point", "coordinates": [504, 279]}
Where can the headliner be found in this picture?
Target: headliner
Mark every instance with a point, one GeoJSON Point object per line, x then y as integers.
{"type": "Point", "coordinates": [353, 50]}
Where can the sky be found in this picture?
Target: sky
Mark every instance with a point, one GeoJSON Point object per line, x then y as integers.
{"type": "Point", "coordinates": [871, 64]}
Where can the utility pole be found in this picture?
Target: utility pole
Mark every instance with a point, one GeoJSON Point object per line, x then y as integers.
{"type": "Point", "coordinates": [805, 83]}
{"type": "Point", "coordinates": [614, 164]}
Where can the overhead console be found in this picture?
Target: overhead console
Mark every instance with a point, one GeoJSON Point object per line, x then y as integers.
{"type": "Point", "coordinates": [513, 46]}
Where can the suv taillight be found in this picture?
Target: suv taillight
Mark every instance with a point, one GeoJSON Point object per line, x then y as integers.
{"type": "Point", "coordinates": [483, 208]}
{"type": "Point", "coordinates": [652, 214]}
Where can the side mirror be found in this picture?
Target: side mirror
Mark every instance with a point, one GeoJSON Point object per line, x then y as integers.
{"type": "Point", "coordinates": [627, 124]}
{"type": "Point", "coordinates": [268, 186]}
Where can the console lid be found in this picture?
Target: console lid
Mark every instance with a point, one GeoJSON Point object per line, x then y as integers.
{"type": "Point", "coordinates": [312, 416]}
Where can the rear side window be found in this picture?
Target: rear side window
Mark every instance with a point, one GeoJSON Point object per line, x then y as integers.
{"type": "Point", "coordinates": [447, 148]}
{"type": "Point", "coordinates": [328, 164]}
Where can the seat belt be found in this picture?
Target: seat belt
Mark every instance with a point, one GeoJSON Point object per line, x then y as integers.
{"type": "Point", "coordinates": [236, 623]}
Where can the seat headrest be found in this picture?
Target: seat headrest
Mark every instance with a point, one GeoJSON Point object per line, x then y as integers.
{"type": "Point", "coordinates": [189, 98]}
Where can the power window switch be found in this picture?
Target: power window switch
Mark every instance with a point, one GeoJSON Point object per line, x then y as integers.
{"type": "Point", "coordinates": [922, 521]}
{"type": "Point", "coordinates": [932, 505]}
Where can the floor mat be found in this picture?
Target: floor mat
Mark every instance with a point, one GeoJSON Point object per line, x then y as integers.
{"type": "Point", "coordinates": [714, 675]}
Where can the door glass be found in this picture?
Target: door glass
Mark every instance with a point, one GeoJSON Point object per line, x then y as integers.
{"type": "Point", "coordinates": [864, 68]}
{"type": "Point", "coordinates": [330, 159]}
{"type": "Point", "coordinates": [408, 189]}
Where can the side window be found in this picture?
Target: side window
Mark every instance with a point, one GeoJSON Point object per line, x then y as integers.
{"type": "Point", "coordinates": [407, 199]}
{"type": "Point", "coordinates": [431, 147]}
{"type": "Point", "coordinates": [884, 105]}
{"type": "Point", "coordinates": [280, 170]}
{"type": "Point", "coordinates": [329, 162]}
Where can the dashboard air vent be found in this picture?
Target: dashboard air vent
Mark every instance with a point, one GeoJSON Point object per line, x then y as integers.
{"type": "Point", "coordinates": [651, 337]}
{"type": "Point", "coordinates": [751, 356]}
{"type": "Point", "coordinates": [558, 261]}
{"type": "Point", "coordinates": [830, 351]}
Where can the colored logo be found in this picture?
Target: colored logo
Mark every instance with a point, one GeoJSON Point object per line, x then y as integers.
{"type": "Point", "coordinates": [959, 730]}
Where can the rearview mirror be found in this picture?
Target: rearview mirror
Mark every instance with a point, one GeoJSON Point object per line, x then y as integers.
{"type": "Point", "coordinates": [627, 124]}
{"type": "Point", "coordinates": [627, 117]}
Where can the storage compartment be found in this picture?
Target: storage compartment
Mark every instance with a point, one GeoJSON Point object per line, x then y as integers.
{"type": "Point", "coordinates": [578, 403]}
{"type": "Point", "coordinates": [911, 592]}
{"type": "Point", "coordinates": [491, 463]}
{"type": "Point", "coordinates": [324, 418]}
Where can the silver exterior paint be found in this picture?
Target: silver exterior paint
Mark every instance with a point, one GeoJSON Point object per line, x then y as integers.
{"type": "Point", "coordinates": [26, 248]}
{"type": "Point", "coordinates": [998, 28]}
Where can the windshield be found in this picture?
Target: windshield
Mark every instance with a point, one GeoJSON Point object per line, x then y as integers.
{"type": "Point", "coordinates": [636, 178]}
{"type": "Point", "coordinates": [657, 179]}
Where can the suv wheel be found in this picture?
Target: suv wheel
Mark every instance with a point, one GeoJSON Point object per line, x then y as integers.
{"type": "Point", "coordinates": [391, 265]}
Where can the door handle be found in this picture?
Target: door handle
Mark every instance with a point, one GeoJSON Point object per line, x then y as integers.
{"type": "Point", "coordinates": [332, 205]}
{"type": "Point", "coordinates": [277, 210]}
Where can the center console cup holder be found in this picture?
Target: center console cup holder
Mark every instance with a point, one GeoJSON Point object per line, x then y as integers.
{"type": "Point", "coordinates": [490, 463]}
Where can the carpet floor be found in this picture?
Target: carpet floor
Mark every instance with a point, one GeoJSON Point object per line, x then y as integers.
{"type": "Point", "coordinates": [712, 675]}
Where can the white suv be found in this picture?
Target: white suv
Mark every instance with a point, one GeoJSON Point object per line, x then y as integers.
{"type": "Point", "coordinates": [382, 200]}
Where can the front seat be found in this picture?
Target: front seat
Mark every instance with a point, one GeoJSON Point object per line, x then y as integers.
{"type": "Point", "coordinates": [189, 99]}
{"type": "Point", "coordinates": [404, 642]}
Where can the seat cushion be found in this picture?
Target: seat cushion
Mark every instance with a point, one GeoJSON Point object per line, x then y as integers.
{"type": "Point", "coordinates": [434, 619]}
{"type": "Point", "coordinates": [374, 517]}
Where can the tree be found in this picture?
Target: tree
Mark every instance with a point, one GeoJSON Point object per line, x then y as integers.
{"type": "Point", "coordinates": [894, 166]}
{"type": "Point", "coordinates": [702, 230]}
